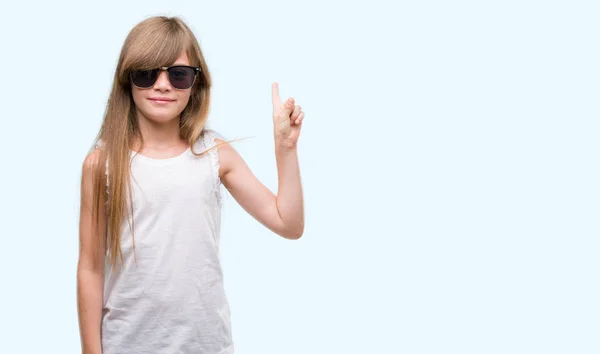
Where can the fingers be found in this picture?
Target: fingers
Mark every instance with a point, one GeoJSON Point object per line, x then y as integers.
{"type": "Point", "coordinates": [298, 120]}
{"type": "Point", "coordinates": [296, 113]}
{"type": "Point", "coordinates": [275, 95]}
{"type": "Point", "coordinates": [288, 107]}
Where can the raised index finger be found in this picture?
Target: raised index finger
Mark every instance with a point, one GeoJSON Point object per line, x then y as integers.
{"type": "Point", "coordinates": [275, 95]}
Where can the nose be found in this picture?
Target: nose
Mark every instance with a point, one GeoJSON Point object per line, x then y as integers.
{"type": "Point", "coordinates": [162, 82]}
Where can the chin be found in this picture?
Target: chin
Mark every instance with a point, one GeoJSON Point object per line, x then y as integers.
{"type": "Point", "coordinates": [160, 117]}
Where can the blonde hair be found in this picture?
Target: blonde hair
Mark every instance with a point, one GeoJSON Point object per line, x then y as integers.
{"type": "Point", "coordinates": [154, 42]}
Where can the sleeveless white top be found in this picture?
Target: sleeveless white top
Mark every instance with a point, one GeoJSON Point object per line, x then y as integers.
{"type": "Point", "coordinates": [173, 300]}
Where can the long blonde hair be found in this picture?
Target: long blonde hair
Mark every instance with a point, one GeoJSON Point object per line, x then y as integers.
{"type": "Point", "coordinates": [153, 43]}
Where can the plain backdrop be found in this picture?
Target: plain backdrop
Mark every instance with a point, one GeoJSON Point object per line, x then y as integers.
{"type": "Point", "coordinates": [449, 158]}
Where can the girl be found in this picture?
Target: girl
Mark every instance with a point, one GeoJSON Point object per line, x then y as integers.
{"type": "Point", "coordinates": [149, 276]}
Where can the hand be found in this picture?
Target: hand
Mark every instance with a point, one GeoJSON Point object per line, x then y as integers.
{"type": "Point", "coordinates": [287, 119]}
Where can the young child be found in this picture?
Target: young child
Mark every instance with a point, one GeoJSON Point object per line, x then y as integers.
{"type": "Point", "coordinates": [149, 278]}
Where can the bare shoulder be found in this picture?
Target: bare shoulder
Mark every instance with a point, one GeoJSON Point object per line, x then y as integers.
{"type": "Point", "coordinates": [92, 160]}
{"type": "Point", "coordinates": [223, 144]}
{"type": "Point", "coordinates": [229, 157]}
{"type": "Point", "coordinates": [91, 165]}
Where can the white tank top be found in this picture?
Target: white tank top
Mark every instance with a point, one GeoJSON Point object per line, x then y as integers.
{"type": "Point", "coordinates": [173, 300]}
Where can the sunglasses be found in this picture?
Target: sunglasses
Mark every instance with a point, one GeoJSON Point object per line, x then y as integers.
{"type": "Point", "coordinates": [181, 77]}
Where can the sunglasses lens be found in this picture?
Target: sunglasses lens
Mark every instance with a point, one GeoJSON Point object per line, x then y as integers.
{"type": "Point", "coordinates": [144, 78]}
{"type": "Point", "coordinates": [182, 77]}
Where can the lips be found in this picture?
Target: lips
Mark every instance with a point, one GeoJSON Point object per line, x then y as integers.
{"type": "Point", "coordinates": [161, 99]}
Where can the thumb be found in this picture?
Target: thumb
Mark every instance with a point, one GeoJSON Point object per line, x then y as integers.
{"type": "Point", "coordinates": [287, 107]}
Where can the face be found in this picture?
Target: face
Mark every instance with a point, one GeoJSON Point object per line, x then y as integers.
{"type": "Point", "coordinates": [162, 102]}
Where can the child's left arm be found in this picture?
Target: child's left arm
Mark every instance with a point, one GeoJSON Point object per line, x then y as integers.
{"type": "Point", "coordinates": [282, 213]}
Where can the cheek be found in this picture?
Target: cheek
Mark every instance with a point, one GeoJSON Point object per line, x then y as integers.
{"type": "Point", "coordinates": [137, 97]}
{"type": "Point", "coordinates": [183, 100]}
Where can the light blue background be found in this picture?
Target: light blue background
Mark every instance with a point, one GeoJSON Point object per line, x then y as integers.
{"type": "Point", "coordinates": [449, 158]}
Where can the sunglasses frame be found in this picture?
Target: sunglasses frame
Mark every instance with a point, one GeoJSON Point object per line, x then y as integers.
{"type": "Point", "coordinates": [166, 68]}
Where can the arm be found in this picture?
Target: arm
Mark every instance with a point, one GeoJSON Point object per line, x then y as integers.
{"type": "Point", "coordinates": [90, 267]}
{"type": "Point", "coordinates": [282, 213]}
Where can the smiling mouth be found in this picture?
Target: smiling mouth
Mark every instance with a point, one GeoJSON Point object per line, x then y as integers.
{"type": "Point", "coordinates": [161, 100]}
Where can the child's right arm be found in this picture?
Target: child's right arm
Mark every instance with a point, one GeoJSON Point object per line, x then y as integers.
{"type": "Point", "coordinates": [90, 268]}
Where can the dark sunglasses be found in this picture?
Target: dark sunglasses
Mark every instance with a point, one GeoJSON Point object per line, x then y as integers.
{"type": "Point", "coordinates": [181, 77]}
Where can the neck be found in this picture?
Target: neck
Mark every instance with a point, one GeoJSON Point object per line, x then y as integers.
{"type": "Point", "coordinates": [159, 135]}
